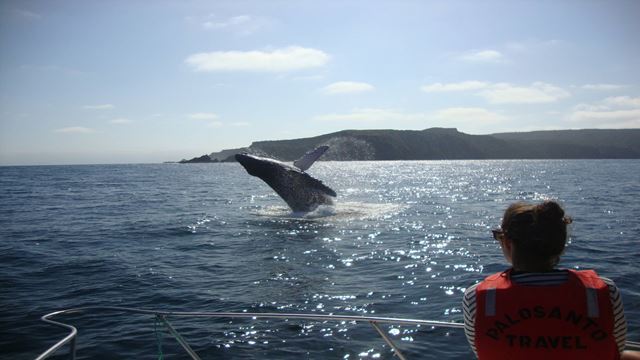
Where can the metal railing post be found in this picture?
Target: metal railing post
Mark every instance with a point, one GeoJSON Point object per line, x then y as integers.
{"type": "Point", "coordinates": [396, 350]}
{"type": "Point", "coordinates": [72, 348]}
{"type": "Point", "coordinates": [178, 337]}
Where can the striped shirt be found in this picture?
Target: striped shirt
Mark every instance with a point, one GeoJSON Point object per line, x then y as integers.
{"type": "Point", "coordinates": [557, 277]}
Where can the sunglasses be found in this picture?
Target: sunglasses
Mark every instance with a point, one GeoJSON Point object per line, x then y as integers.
{"type": "Point", "coordinates": [498, 234]}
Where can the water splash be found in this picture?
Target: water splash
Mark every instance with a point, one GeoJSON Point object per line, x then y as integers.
{"type": "Point", "coordinates": [341, 211]}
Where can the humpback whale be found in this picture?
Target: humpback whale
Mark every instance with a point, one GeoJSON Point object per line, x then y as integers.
{"type": "Point", "coordinates": [301, 191]}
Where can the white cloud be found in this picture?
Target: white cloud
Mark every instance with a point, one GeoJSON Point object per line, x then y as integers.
{"type": "Point", "coordinates": [120, 121]}
{"type": "Point", "coordinates": [608, 118]}
{"type": "Point", "coordinates": [371, 115]}
{"type": "Point", "coordinates": [482, 56]}
{"type": "Point", "coordinates": [215, 124]}
{"type": "Point", "coordinates": [460, 86]}
{"type": "Point", "coordinates": [99, 107]}
{"type": "Point", "coordinates": [504, 93]}
{"type": "Point", "coordinates": [347, 87]}
{"type": "Point", "coordinates": [631, 114]}
{"type": "Point", "coordinates": [243, 25]}
{"type": "Point", "coordinates": [612, 112]}
{"type": "Point", "coordinates": [203, 116]}
{"type": "Point", "coordinates": [624, 101]}
{"type": "Point", "coordinates": [538, 92]}
{"type": "Point", "coordinates": [280, 60]}
{"type": "Point", "coordinates": [591, 107]}
{"type": "Point", "coordinates": [75, 130]}
{"type": "Point", "coordinates": [604, 87]}
{"type": "Point", "coordinates": [469, 115]}
{"type": "Point", "coordinates": [227, 23]}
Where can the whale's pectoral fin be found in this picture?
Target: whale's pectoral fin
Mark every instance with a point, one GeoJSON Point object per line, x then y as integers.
{"type": "Point", "coordinates": [317, 184]}
{"type": "Point", "coordinates": [310, 157]}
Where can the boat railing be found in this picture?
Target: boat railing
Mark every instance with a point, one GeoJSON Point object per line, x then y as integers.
{"type": "Point", "coordinates": [162, 317]}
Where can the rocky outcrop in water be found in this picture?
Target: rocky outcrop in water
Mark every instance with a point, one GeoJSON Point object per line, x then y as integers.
{"type": "Point", "coordinates": [201, 159]}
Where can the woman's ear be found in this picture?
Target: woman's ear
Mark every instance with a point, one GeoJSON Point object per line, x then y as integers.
{"type": "Point", "coordinates": [507, 248]}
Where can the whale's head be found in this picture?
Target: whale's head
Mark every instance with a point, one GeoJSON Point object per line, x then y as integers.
{"type": "Point", "coordinates": [258, 166]}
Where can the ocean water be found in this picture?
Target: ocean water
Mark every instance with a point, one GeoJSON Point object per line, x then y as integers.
{"type": "Point", "coordinates": [404, 240]}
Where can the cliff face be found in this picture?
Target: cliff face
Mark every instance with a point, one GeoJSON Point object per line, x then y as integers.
{"type": "Point", "coordinates": [576, 144]}
{"type": "Point", "coordinates": [441, 143]}
{"type": "Point", "coordinates": [225, 154]}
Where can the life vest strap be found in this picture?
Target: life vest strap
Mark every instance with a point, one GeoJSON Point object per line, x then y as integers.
{"type": "Point", "coordinates": [490, 302]}
{"type": "Point", "coordinates": [593, 311]}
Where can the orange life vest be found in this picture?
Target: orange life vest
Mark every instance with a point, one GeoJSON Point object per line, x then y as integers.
{"type": "Point", "coordinates": [573, 320]}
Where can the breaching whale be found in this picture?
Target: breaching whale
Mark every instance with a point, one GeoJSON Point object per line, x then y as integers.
{"type": "Point", "coordinates": [301, 191]}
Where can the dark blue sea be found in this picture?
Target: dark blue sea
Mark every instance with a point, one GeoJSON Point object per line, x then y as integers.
{"type": "Point", "coordinates": [404, 240]}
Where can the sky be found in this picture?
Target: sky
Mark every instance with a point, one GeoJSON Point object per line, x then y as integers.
{"type": "Point", "coordinates": [135, 81]}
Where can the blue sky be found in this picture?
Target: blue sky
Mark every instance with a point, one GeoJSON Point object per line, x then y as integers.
{"type": "Point", "coordinates": [149, 81]}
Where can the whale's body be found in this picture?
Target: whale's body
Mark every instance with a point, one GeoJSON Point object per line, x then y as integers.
{"type": "Point", "coordinates": [301, 191]}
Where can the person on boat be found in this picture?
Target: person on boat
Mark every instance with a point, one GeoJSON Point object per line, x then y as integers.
{"type": "Point", "coordinates": [534, 310]}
